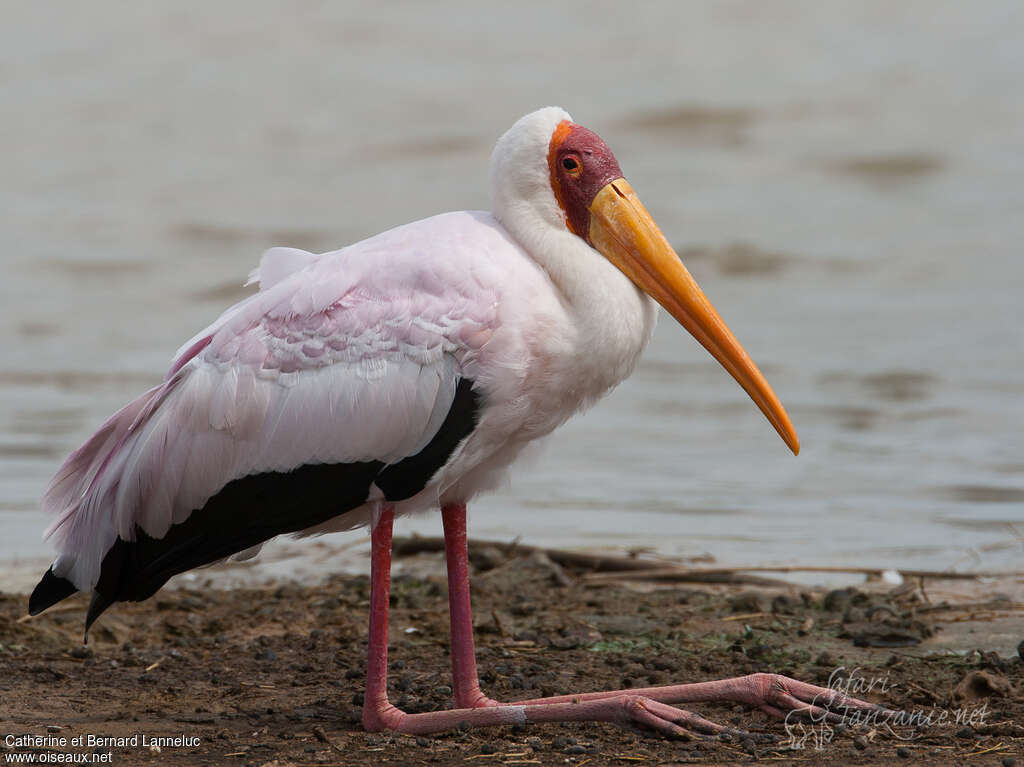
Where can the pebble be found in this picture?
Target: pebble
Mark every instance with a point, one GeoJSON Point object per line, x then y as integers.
{"type": "Point", "coordinates": [854, 615]}
{"type": "Point", "coordinates": [490, 748]}
{"type": "Point", "coordinates": [860, 742]}
{"type": "Point", "coordinates": [53, 728]}
{"type": "Point", "coordinates": [783, 603]}
{"type": "Point", "coordinates": [747, 602]}
{"type": "Point", "coordinates": [837, 600]}
{"type": "Point", "coordinates": [81, 651]}
{"type": "Point", "coordinates": [1009, 761]}
{"type": "Point", "coordinates": [487, 558]}
{"type": "Point", "coordinates": [422, 742]}
{"type": "Point", "coordinates": [903, 753]}
{"type": "Point", "coordinates": [965, 732]}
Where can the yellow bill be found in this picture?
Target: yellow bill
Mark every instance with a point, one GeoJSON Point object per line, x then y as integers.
{"type": "Point", "coordinates": [624, 232]}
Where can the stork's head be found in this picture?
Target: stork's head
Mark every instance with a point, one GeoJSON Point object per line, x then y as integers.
{"type": "Point", "coordinates": [550, 176]}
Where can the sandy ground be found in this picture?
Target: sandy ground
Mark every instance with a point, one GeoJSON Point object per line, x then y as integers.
{"type": "Point", "coordinates": [274, 676]}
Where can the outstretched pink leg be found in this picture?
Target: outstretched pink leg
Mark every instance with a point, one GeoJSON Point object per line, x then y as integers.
{"type": "Point", "coordinates": [772, 693]}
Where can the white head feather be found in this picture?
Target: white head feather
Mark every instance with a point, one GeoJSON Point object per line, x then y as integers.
{"type": "Point", "coordinates": [521, 195]}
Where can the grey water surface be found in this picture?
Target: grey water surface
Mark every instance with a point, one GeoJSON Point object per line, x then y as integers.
{"type": "Point", "coordinates": [846, 181]}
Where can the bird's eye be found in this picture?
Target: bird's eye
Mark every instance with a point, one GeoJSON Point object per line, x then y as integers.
{"type": "Point", "coordinates": [571, 164]}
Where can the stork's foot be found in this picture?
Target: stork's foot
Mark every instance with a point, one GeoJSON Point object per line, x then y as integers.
{"type": "Point", "coordinates": [653, 707]}
{"type": "Point", "coordinates": [626, 710]}
{"type": "Point", "coordinates": [778, 696]}
{"type": "Point", "coordinates": [783, 697]}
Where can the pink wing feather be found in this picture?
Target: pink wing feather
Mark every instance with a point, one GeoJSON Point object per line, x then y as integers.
{"type": "Point", "coordinates": [348, 356]}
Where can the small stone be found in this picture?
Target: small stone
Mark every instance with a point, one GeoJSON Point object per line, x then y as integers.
{"type": "Point", "coordinates": [535, 744]}
{"type": "Point", "coordinates": [560, 742]}
{"type": "Point", "coordinates": [966, 733]}
{"type": "Point", "coordinates": [1009, 761]}
{"type": "Point", "coordinates": [266, 654]}
{"type": "Point", "coordinates": [404, 684]}
{"type": "Point", "coordinates": [53, 728]}
{"type": "Point", "coordinates": [783, 604]}
{"type": "Point", "coordinates": [860, 742]}
{"type": "Point", "coordinates": [486, 558]}
{"type": "Point", "coordinates": [422, 742]}
{"type": "Point", "coordinates": [747, 602]}
{"type": "Point", "coordinates": [443, 691]}
{"type": "Point", "coordinates": [575, 749]}
{"type": "Point", "coordinates": [81, 652]}
{"type": "Point", "coordinates": [982, 684]}
{"type": "Point", "coordinates": [838, 600]}
{"type": "Point", "coordinates": [825, 659]}
{"type": "Point", "coordinates": [854, 615]}
{"type": "Point", "coordinates": [903, 753]}
{"type": "Point", "coordinates": [490, 748]}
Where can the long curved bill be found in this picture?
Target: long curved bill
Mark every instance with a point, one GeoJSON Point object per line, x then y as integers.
{"type": "Point", "coordinates": [623, 230]}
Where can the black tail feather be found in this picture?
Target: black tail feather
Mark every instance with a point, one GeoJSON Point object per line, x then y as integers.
{"type": "Point", "coordinates": [51, 590]}
{"type": "Point", "coordinates": [97, 605]}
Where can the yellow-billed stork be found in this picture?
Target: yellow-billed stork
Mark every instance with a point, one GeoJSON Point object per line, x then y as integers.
{"type": "Point", "coordinates": [402, 373]}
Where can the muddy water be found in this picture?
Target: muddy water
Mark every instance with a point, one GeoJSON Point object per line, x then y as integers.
{"type": "Point", "coordinates": [845, 181]}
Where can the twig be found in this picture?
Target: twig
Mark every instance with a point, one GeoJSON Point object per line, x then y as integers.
{"type": "Point", "coordinates": [997, 747]}
{"type": "Point", "coordinates": [409, 546]}
{"type": "Point", "coordinates": [603, 566]}
{"type": "Point", "coordinates": [670, 574]}
{"type": "Point", "coordinates": [991, 604]}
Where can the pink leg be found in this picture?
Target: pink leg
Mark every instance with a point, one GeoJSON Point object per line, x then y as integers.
{"type": "Point", "coordinates": [378, 713]}
{"type": "Point", "coordinates": [772, 693]}
{"type": "Point", "coordinates": [466, 683]}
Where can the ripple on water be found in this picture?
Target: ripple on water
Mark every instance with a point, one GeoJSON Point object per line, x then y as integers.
{"type": "Point", "coordinates": [694, 123]}
{"type": "Point", "coordinates": [219, 234]}
{"type": "Point", "coordinates": [97, 268]}
{"type": "Point", "coordinates": [425, 146]}
{"type": "Point", "coordinates": [739, 259]}
{"type": "Point", "coordinates": [30, 450]}
{"type": "Point", "coordinates": [982, 493]}
{"type": "Point", "coordinates": [891, 385]}
{"type": "Point", "coordinates": [888, 169]}
{"type": "Point", "coordinates": [76, 380]}
{"type": "Point", "coordinates": [48, 423]}
{"type": "Point", "coordinates": [38, 329]}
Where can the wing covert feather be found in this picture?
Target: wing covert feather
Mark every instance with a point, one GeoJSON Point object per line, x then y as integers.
{"type": "Point", "coordinates": [351, 356]}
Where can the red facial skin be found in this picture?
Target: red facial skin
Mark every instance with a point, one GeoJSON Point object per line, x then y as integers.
{"type": "Point", "coordinates": [581, 165]}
